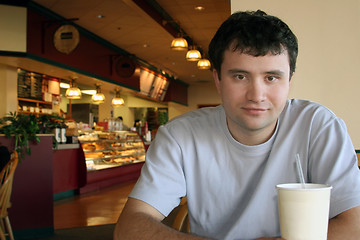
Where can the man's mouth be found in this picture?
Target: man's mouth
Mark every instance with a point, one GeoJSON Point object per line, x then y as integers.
{"type": "Point", "coordinates": [254, 110]}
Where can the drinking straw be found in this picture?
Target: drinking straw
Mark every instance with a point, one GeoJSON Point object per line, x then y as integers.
{"type": "Point", "coordinates": [299, 171]}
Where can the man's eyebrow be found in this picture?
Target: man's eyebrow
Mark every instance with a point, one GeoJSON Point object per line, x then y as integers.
{"type": "Point", "coordinates": [273, 72]}
{"type": "Point", "coordinates": [276, 72]}
{"type": "Point", "coordinates": [237, 71]}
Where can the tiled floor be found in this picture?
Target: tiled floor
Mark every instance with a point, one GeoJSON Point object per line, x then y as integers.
{"type": "Point", "coordinates": [96, 208]}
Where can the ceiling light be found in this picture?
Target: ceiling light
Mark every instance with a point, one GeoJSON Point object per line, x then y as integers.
{"type": "Point", "coordinates": [193, 55]}
{"type": "Point", "coordinates": [89, 92]}
{"type": "Point", "coordinates": [64, 85]}
{"type": "Point", "coordinates": [73, 92]}
{"type": "Point", "coordinates": [199, 8]}
{"type": "Point", "coordinates": [179, 44]}
{"type": "Point", "coordinates": [98, 97]}
{"type": "Point", "coordinates": [117, 101]}
{"type": "Point", "coordinates": [203, 64]}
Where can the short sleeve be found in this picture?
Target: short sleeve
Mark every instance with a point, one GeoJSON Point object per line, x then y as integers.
{"type": "Point", "coordinates": [162, 181]}
{"type": "Point", "coordinates": [333, 161]}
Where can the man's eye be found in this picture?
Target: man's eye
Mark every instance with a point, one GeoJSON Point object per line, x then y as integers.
{"type": "Point", "coordinates": [240, 77]}
{"type": "Point", "coordinates": [271, 78]}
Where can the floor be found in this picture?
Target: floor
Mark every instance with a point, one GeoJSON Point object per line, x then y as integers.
{"type": "Point", "coordinates": [90, 209]}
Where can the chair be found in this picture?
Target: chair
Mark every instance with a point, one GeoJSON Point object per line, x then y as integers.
{"type": "Point", "coordinates": [358, 157]}
{"type": "Point", "coordinates": [182, 218]}
{"type": "Point", "coordinates": [6, 177]}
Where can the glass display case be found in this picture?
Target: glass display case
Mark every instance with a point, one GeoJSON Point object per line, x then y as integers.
{"type": "Point", "coordinates": [104, 150]}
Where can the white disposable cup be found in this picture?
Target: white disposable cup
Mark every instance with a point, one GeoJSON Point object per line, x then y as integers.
{"type": "Point", "coordinates": [304, 212]}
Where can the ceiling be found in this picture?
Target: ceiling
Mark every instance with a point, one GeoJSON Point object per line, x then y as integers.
{"type": "Point", "coordinates": [130, 27]}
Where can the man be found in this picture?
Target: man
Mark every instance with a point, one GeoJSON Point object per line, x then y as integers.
{"type": "Point", "coordinates": [227, 160]}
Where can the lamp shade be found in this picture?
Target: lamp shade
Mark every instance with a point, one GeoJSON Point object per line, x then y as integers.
{"type": "Point", "coordinates": [193, 55]}
{"type": "Point", "coordinates": [204, 64]}
{"type": "Point", "coordinates": [73, 93]}
{"type": "Point", "coordinates": [117, 101]}
{"type": "Point", "coordinates": [98, 97]}
{"type": "Point", "coordinates": [179, 44]}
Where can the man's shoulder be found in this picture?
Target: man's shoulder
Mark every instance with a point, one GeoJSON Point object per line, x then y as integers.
{"type": "Point", "coordinates": [306, 113]}
{"type": "Point", "coordinates": [307, 107]}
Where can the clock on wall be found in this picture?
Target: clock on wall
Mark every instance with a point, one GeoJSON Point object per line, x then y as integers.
{"type": "Point", "coordinates": [125, 67]}
{"type": "Point", "coordinates": [66, 39]}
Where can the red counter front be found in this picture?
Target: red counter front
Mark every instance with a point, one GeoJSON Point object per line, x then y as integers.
{"type": "Point", "coordinates": [69, 168]}
{"type": "Point", "coordinates": [31, 211]}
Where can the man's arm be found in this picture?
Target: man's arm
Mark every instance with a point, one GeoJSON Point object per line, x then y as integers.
{"type": "Point", "coordinates": [345, 226]}
{"type": "Point", "coordinates": [139, 220]}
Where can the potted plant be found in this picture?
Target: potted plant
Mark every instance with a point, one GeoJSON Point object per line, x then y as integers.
{"type": "Point", "coordinates": [25, 127]}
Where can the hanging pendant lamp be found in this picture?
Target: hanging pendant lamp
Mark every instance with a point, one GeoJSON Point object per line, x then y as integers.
{"type": "Point", "coordinates": [98, 97]}
{"type": "Point", "coordinates": [179, 44]}
{"type": "Point", "coordinates": [117, 101]}
{"type": "Point", "coordinates": [193, 55]}
{"type": "Point", "coordinates": [73, 92]}
{"type": "Point", "coordinates": [203, 64]}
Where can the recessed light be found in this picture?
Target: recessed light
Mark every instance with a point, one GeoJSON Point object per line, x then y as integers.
{"type": "Point", "coordinates": [89, 92]}
{"type": "Point", "coordinates": [146, 45]}
{"type": "Point", "coordinates": [100, 16]}
{"type": "Point", "coordinates": [199, 8]}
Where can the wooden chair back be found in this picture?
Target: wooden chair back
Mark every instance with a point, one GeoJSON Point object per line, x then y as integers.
{"type": "Point", "coordinates": [181, 222]}
{"type": "Point", "coordinates": [6, 178]}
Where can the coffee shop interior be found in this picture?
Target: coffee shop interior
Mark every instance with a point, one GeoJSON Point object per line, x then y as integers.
{"type": "Point", "coordinates": [114, 71]}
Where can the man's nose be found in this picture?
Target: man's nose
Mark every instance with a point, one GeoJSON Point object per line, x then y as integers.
{"type": "Point", "coordinates": [256, 91]}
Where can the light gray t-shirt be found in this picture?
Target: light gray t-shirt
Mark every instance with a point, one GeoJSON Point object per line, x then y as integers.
{"type": "Point", "coordinates": [230, 187]}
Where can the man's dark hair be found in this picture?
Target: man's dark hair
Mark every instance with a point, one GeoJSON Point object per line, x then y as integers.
{"type": "Point", "coordinates": [253, 33]}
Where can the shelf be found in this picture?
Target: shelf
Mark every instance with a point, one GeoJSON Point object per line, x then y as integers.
{"type": "Point", "coordinates": [36, 104]}
{"type": "Point", "coordinates": [34, 101]}
{"type": "Point", "coordinates": [35, 113]}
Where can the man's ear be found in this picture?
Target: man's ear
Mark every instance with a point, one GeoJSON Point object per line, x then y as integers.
{"type": "Point", "coordinates": [216, 79]}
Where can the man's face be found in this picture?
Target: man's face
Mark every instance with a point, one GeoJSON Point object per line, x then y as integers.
{"type": "Point", "coordinates": [254, 91]}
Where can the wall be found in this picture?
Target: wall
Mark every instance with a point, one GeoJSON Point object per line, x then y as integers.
{"type": "Point", "coordinates": [99, 63]}
{"type": "Point", "coordinates": [13, 38]}
{"type": "Point", "coordinates": [8, 89]}
{"type": "Point", "coordinates": [126, 112]}
{"type": "Point", "coordinates": [329, 35]}
{"type": "Point", "coordinates": [203, 93]}
{"type": "Point", "coordinates": [13, 28]}
{"type": "Point", "coordinates": [175, 109]}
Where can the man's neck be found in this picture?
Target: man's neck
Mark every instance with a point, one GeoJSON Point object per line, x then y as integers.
{"type": "Point", "coordinates": [250, 138]}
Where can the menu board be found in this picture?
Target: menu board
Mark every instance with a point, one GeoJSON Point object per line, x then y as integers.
{"type": "Point", "coordinates": [29, 85]}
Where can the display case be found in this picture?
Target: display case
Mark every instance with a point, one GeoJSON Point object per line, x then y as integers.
{"type": "Point", "coordinates": [105, 150]}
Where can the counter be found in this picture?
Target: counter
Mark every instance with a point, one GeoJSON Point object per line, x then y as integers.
{"type": "Point", "coordinates": [31, 212]}
{"type": "Point", "coordinates": [69, 168]}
